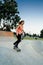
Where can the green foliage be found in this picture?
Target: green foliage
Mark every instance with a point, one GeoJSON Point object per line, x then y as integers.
{"type": "Point", "coordinates": [8, 9]}
{"type": "Point", "coordinates": [17, 18]}
{"type": "Point", "coordinates": [41, 33]}
{"type": "Point", "coordinates": [34, 35]}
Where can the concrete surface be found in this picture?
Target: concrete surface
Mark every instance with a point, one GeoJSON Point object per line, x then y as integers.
{"type": "Point", "coordinates": [31, 52]}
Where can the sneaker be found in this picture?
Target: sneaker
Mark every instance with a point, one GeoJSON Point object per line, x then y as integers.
{"type": "Point", "coordinates": [15, 47]}
{"type": "Point", "coordinates": [18, 49]}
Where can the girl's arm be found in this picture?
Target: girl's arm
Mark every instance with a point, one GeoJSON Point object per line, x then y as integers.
{"type": "Point", "coordinates": [17, 30]}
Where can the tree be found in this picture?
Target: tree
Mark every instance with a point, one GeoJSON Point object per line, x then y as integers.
{"type": "Point", "coordinates": [34, 35]}
{"type": "Point", "coordinates": [16, 20]}
{"type": "Point", "coordinates": [8, 10]}
{"type": "Point", "coordinates": [1, 9]}
{"type": "Point", "coordinates": [41, 34]}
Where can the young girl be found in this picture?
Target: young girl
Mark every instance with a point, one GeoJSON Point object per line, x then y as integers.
{"type": "Point", "coordinates": [19, 32]}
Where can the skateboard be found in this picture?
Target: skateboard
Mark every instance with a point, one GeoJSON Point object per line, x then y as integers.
{"type": "Point", "coordinates": [17, 49]}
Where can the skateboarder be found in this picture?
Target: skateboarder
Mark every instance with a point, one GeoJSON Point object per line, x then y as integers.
{"type": "Point", "coordinates": [19, 32]}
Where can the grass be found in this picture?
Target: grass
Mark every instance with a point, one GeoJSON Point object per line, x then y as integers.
{"type": "Point", "coordinates": [30, 38]}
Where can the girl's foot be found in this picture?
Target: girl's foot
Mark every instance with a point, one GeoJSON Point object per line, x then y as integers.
{"type": "Point", "coordinates": [17, 49]}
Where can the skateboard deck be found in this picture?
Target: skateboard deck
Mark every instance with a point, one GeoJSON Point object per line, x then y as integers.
{"type": "Point", "coordinates": [17, 49]}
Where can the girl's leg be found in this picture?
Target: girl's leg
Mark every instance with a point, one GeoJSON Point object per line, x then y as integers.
{"type": "Point", "coordinates": [18, 40]}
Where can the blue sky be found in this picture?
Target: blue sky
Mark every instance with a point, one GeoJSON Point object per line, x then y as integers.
{"type": "Point", "coordinates": [31, 11]}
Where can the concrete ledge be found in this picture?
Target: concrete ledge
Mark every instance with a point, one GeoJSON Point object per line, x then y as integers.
{"type": "Point", "coordinates": [6, 34]}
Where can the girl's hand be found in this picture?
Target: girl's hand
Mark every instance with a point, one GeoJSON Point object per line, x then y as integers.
{"type": "Point", "coordinates": [17, 34]}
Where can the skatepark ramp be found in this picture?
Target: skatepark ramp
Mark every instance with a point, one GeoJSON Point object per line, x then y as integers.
{"type": "Point", "coordinates": [31, 52]}
{"type": "Point", "coordinates": [6, 34]}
